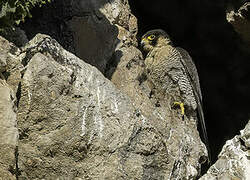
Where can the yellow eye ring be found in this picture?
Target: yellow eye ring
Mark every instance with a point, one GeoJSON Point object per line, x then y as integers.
{"type": "Point", "coordinates": [151, 37]}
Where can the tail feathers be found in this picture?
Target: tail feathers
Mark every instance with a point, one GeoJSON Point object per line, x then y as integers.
{"type": "Point", "coordinates": [204, 130]}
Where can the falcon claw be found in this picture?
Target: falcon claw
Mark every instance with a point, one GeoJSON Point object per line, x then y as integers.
{"type": "Point", "coordinates": [181, 105]}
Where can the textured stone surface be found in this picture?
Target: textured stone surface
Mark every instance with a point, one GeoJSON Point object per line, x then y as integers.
{"type": "Point", "coordinates": [180, 137]}
{"type": "Point", "coordinates": [104, 26]}
{"type": "Point", "coordinates": [74, 123]}
{"type": "Point", "coordinates": [8, 132]}
{"type": "Point", "coordinates": [8, 129]}
{"type": "Point", "coordinates": [233, 161]}
{"type": "Point", "coordinates": [10, 64]}
{"type": "Point", "coordinates": [126, 72]}
{"type": "Point", "coordinates": [239, 18]}
{"type": "Point", "coordinates": [91, 29]}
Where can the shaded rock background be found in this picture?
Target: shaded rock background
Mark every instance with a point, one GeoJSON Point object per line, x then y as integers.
{"type": "Point", "coordinates": [82, 125]}
{"type": "Point", "coordinates": [90, 29]}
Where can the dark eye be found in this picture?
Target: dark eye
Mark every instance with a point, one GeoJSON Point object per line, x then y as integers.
{"type": "Point", "coordinates": [151, 37]}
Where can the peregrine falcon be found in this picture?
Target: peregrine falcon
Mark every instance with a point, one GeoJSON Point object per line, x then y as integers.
{"type": "Point", "coordinates": [171, 70]}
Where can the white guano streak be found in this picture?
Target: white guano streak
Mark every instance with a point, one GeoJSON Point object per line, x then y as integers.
{"type": "Point", "coordinates": [98, 118]}
{"type": "Point", "coordinates": [84, 122]}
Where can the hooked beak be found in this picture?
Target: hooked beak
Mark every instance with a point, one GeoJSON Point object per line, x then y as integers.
{"type": "Point", "coordinates": [143, 42]}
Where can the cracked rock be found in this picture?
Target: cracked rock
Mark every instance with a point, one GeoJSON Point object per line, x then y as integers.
{"type": "Point", "coordinates": [239, 17]}
{"type": "Point", "coordinates": [75, 123]}
{"type": "Point", "coordinates": [233, 161]}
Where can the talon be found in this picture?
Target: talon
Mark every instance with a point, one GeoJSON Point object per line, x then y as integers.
{"type": "Point", "coordinates": [181, 105]}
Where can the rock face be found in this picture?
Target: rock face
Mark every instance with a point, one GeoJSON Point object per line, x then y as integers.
{"type": "Point", "coordinates": [233, 161]}
{"type": "Point", "coordinates": [10, 67]}
{"type": "Point", "coordinates": [73, 122]}
{"type": "Point", "coordinates": [76, 124]}
{"type": "Point", "coordinates": [239, 18]}
{"type": "Point", "coordinates": [107, 25]}
{"type": "Point", "coordinates": [91, 29]}
{"type": "Point", "coordinates": [8, 132]}
{"type": "Point", "coordinates": [62, 118]}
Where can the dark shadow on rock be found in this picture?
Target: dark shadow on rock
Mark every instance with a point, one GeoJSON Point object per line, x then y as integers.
{"type": "Point", "coordinates": [79, 27]}
{"type": "Point", "coordinates": [201, 28]}
{"type": "Point", "coordinates": [113, 63]}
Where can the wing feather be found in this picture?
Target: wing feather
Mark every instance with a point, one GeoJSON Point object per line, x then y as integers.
{"type": "Point", "coordinates": [192, 73]}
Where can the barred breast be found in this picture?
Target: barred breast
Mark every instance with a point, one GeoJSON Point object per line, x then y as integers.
{"type": "Point", "coordinates": [166, 71]}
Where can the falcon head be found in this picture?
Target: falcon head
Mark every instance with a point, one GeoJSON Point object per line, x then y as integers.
{"type": "Point", "coordinates": [155, 38]}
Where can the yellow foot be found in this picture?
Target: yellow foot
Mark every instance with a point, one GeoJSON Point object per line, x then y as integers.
{"type": "Point", "coordinates": [181, 105]}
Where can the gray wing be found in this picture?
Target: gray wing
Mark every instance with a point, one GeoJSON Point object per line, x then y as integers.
{"type": "Point", "coordinates": [192, 73]}
{"type": "Point", "coordinates": [191, 70]}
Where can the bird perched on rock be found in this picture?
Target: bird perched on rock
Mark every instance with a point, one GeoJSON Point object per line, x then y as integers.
{"type": "Point", "coordinates": [172, 72]}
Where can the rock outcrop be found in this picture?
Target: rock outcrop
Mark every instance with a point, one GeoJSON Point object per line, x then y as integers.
{"type": "Point", "coordinates": [108, 25]}
{"type": "Point", "coordinates": [10, 76]}
{"type": "Point", "coordinates": [91, 29]}
{"type": "Point", "coordinates": [233, 161]}
{"type": "Point", "coordinates": [239, 18]}
{"type": "Point", "coordinates": [8, 132]}
{"type": "Point", "coordinates": [77, 121]}
{"type": "Point", "coordinates": [74, 123]}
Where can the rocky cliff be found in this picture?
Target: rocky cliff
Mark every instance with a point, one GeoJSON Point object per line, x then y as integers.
{"type": "Point", "coordinates": [74, 104]}
{"type": "Point", "coordinates": [233, 160]}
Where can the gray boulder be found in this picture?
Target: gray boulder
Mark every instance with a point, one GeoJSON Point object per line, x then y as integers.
{"type": "Point", "coordinates": [8, 132]}
{"type": "Point", "coordinates": [9, 79]}
{"type": "Point", "coordinates": [233, 161]}
{"type": "Point", "coordinates": [74, 123]}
